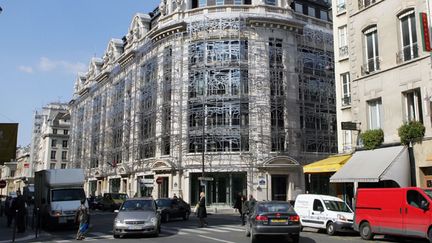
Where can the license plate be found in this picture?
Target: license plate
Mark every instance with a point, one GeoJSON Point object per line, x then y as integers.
{"type": "Point", "coordinates": [279, 221]}
{"type": "Point", "coordinates": [135, 227]}
{"type": "Point", "coordinates": [62, 220]}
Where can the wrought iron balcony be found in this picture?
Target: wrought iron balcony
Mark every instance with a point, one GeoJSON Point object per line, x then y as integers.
{"type": "Point", "coordinates": [407, 53]}
{"type": "Point", "coordinates": [365, 3]}
{"type": "Point", "coordinates": [346, 100]}
{"type": "Point", "coordinates": [343, 52]}
{"type": "Point", "coordinates": [341, 7]}
{"type": "Point", "coordinates": [372, 65]}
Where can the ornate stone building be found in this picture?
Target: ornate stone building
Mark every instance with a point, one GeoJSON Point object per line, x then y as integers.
{"type": "Point", "coordinates": [240, 89]}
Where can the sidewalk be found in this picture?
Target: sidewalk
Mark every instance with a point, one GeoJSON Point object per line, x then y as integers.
{"type": "Point", "coordinates": [6, 233]}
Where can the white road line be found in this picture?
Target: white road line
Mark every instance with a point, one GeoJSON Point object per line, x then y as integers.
{"type": "Point", "coordinates": [231, 229]}
{"type": "Point", "coordinates": [190, 230]}
{"type": "Point", "coordinates": [233, 226]}
{"type": "Point", "coordinates": [215, 239]}
{"type": "Point", "coordinates": [101, 235]}
{"type": "Point", "coordinates": [62, 241]}
{"type": "Point", "coordinates": [215, 230]}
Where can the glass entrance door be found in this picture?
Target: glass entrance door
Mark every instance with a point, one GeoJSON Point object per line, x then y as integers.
{"type": "Point", "coordinates": [279, 187]}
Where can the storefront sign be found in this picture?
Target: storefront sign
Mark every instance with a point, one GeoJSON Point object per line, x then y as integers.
{"type": "Point", "coordinates": [349, 126]}
{"type": "Point", "coordinates": [262, 182]}
{"type": "Point", "coordinates": [2, 184]}
{"type": "Point", "coordinates": [425, 32]}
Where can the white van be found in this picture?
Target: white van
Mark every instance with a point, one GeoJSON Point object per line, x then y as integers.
{"type": "Point", "coordinates": [324, 212]}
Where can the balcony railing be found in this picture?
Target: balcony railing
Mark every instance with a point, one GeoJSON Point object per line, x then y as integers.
{"type": "Point", "coordinates": [341, 7]}
{"type": "Point", "coordinates": [372, 65]}
{"type": "Point", "coordinates": [407, 53]}
{"type": "Point", "coordinates": [346, 100]}
{"type": "Point", "coordinates": [366, 3]}
{"type": "Point", "coordinates": [343, 52]}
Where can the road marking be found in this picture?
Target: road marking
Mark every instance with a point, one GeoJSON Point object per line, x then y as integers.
{"type": "Point", "coordinates": [62, 241]}
{"type": "Point", "coordinates": [190, 230]}
{"type": "Point", "coordinates": [215, 230]}
{"type": "Point", "coordinates": [231, 229]}
{"type": "Point", "coordinates": [216, 239]}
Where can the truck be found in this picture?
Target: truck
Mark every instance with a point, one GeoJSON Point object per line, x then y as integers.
{"type": "Point", "coordinates": [58, 194]}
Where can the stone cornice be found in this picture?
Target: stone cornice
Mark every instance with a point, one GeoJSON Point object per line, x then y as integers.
{"type": "Point", "coordinates": [167, 31]}
{"type": "Point", "coordinates": [126, 57]}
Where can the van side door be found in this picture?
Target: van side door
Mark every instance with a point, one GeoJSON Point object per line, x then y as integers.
{"type": "Point", "coordinates": [415, 218]}
{"type": "Point", "coordinates": [317, 218]}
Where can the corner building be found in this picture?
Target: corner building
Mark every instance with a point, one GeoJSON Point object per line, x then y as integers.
{"type": "Point", "coordinates": [244, 88]}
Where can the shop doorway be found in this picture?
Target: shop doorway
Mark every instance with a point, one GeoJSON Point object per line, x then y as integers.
{"type": "Point", "coordinates": [279, 187]}
{"type": "Point", "coordinates": [115, 185]}
{"type": "Point", "coordinates": [163, 187]}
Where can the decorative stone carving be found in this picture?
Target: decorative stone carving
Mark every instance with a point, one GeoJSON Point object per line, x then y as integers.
{"type": "Point", "coordinates": [162, 8]}
{"type": "Point", "coordinates": [179, 4]}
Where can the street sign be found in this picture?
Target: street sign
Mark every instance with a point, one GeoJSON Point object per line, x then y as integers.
{"type": "Point", "coordinates": [159, 180]}
{"type": "Point", "coordinates": [205, 178]}
{"type": "Point", "coordinates": [349, 126]}
{"type": "Point", "coordinates": [2, 184]}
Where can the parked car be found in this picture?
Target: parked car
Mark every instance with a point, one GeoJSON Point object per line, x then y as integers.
{"type": "Point", "coordinates": [393, 211]}
{"type": "Point", "coordinates": [112, 201]}
{"type": "Point", "coordinates": [137, 216]}
{"type": "Point", "coordinates": [95, 203]}
{"type": "Point", "coordinates": [273, 218]}
{"type": "Point", "coordinates": [324, 212]}
{"type": "Point", "coordinates": [170, 208]}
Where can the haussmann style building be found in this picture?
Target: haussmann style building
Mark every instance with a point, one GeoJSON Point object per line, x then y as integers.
{"type": "Point", "coordinates": [243, 89]}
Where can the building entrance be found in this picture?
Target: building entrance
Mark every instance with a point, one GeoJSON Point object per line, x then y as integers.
{"type": "Point", "coordinates": [279, 187]}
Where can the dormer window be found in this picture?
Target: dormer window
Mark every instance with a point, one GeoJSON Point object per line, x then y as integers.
{"type": "Point", "coordinates": [205, 3]}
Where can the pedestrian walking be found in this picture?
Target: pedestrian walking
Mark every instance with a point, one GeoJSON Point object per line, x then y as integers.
{"type": "Point", "coordinates": [202, 211]}
{"type": "Point", "coordinates": [244, 209]}
{"type": "Point", "coordinates": [10, 213]}
{"type": "Point", "coordinates": [19, 206]}
{"type": "Point", "coordinates": [83, 217]}
{"type": "Point", "coordinates": [237, 204]}
{"type": "Point", "coordinates": [251, 204]}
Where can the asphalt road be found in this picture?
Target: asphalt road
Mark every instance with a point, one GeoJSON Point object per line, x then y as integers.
{"type": "Point", "coordinates": [222, 229]}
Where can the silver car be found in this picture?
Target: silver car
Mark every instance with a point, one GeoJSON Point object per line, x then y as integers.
{"type": "Point", "coordinates": [137, 216]}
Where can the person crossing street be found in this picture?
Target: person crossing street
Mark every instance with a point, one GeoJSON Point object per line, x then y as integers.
{"type": "Point", "coordinates": [83, 217]}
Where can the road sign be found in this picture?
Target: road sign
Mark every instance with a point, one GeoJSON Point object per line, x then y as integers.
{"type": "Point", "coordinates": [2, 184]}
{"type": "Point", "coordinates": [205, 178]}
{"type": "Point", "coordinates": [159, 180]}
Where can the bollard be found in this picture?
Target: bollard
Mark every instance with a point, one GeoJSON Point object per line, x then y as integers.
{"type": "Point", "coordinates": [14, 226]}
{"type": "Point", "coordinates": [37, 222]}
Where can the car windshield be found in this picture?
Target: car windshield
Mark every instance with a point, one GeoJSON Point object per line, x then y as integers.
{"type": "Point", "coordinates": [67, 195]}
{"type": "Point", "coordinates": [119, 196]}
{"type": "Point", "coordinates": [337, 206]}
{"type": "Point", "coordinates": [428, 192]}
{"type": "Point", "coordinates": [274, 207]}
{"type": "Point", "coordinates": [163, 202]}
{"type": "Point", "coordinates": [138, 205]}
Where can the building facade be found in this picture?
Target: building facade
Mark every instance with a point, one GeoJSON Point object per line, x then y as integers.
{"type": "Point", "coordinates": [242, 90]}
{"type": "Point", "coordinates": [383, 72]}
{"type": "Point", "coordinates": [50, 138]}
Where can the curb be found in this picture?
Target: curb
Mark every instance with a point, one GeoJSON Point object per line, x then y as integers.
{"type": "Point", "coordinates": [25, 238]}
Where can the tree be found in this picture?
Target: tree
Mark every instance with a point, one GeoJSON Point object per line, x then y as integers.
{"type": "Point", "coordinates": [411, 132]}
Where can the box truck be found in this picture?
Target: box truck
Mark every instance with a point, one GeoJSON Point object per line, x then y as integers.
{"type": "Point", "coordinates": [58, 195]}
{"type": "Point", "coordinates": [394, 211]}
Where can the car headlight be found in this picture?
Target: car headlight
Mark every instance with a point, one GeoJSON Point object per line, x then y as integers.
{"type": "Point", "coordinates": [56, 213]}
{"type": "Point", "coordinates": [153, 220]}
{"type": "Point", "coordinates": [341, 217]}
{"type": "Point", "coordinates": [117, 221]}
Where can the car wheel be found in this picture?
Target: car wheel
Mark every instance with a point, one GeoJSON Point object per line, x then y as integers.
{"type": "Point", "coordinates": [295, 238]}
{"type": "Point", "coordinates": [166, 217]}
{"type": "Point", "coordinates": [186, 216]}
{"type": "Point", "coordinates": [247, 231]}
{"type": "Point", "coordinates": [366, 231]}
{"type": "Point", "coordinates": [330, 229]}
{"type": "Point", "coordinates": [116, 236]}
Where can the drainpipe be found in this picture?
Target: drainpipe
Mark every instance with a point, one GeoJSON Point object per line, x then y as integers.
{"type": "Point", "coordinates": [412, 164]}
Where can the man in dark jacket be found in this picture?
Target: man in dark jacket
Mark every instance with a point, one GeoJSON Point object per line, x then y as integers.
{"type": "Point", "coordinates": [238, 203]}
{"type": "Point", "coordinates": [202, 211]}
{"type": "Point", "coordinates": [19, 207]}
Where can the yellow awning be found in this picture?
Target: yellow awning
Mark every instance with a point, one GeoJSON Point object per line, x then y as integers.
{"type": "Point", "coordinates": [331, 164]}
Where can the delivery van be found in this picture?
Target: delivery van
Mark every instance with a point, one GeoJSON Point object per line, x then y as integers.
{"type": "Point", "coordinates": [324, 212]}
{"type": "Point", "coordinates": [394, 211]}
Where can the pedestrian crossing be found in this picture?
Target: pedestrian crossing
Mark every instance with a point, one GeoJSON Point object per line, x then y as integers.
{"type": "Point", "coordinates": [166, 231]}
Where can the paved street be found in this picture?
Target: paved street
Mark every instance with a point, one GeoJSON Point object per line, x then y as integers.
{"type": "Point", "coordinates": [222, 228]}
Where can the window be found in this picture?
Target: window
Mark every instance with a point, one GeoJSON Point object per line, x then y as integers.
{"type": "Point", "coordinates": [63, 166]}
{"type": "Point", "coordinates": [311, 11]}
{"type": "Point", "coordinates": [65, 132]}
{"type": "Point", "coordinates": [202, 3]}
{"type": "Point", "coordinates": [341, 7]}
{"type": "Point", "coordinates": [53, 155]}
{"type": "Point", "coordinates": [414, 198]}
{"type": "Point", "coordinates": [413, 106]}
{"type": "Point", "coordinates": [52, 166]}
{"type": "Point", "coordinates": [371, 50]}
{"type": "Point", "coordinates": [270, 2]}
{"type": "Point", "coordinates": [375, 114]}
{"type": "Point", "coordinates": [54, 131]}
{"type": "Point", "coordinates": [323, 15]}
{"type": "Point", "coordinates": [298, 7]}
{"type": "Point", "coordinates": [409, 48]}
{"type": "Point", "coordinates": [65, 144]}
{"type": "Point", "coordinates": [347, 140]}
{"type": "Point", "coordinates": [366, 3]}
{"type": "Point", "coordinates": [219, 2]}
{"type": "Point", "coordinates": [346, 89]}
{"type": "Point", "coordinates": [64, 155]}
{"type": "Point", "coordinates": [317, 205]}
{"type": "Point", "coordinates": [54, 143]}
{"type": "Point", "coordinates": [343, 42]}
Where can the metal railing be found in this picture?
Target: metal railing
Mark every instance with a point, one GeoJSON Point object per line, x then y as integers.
{"type": "Point", "coordinates": [365, 3]}
{"type": "Point", "coordinates": [346, 100]}
{"type": "Point", "coordinates": [371, 65]}
{"type": "Point", "coordinates": [343, 52]}
{"type": "Point", "coordinates": [407, 53]}
{"type": "Point", "coordinates": [341, 7]}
